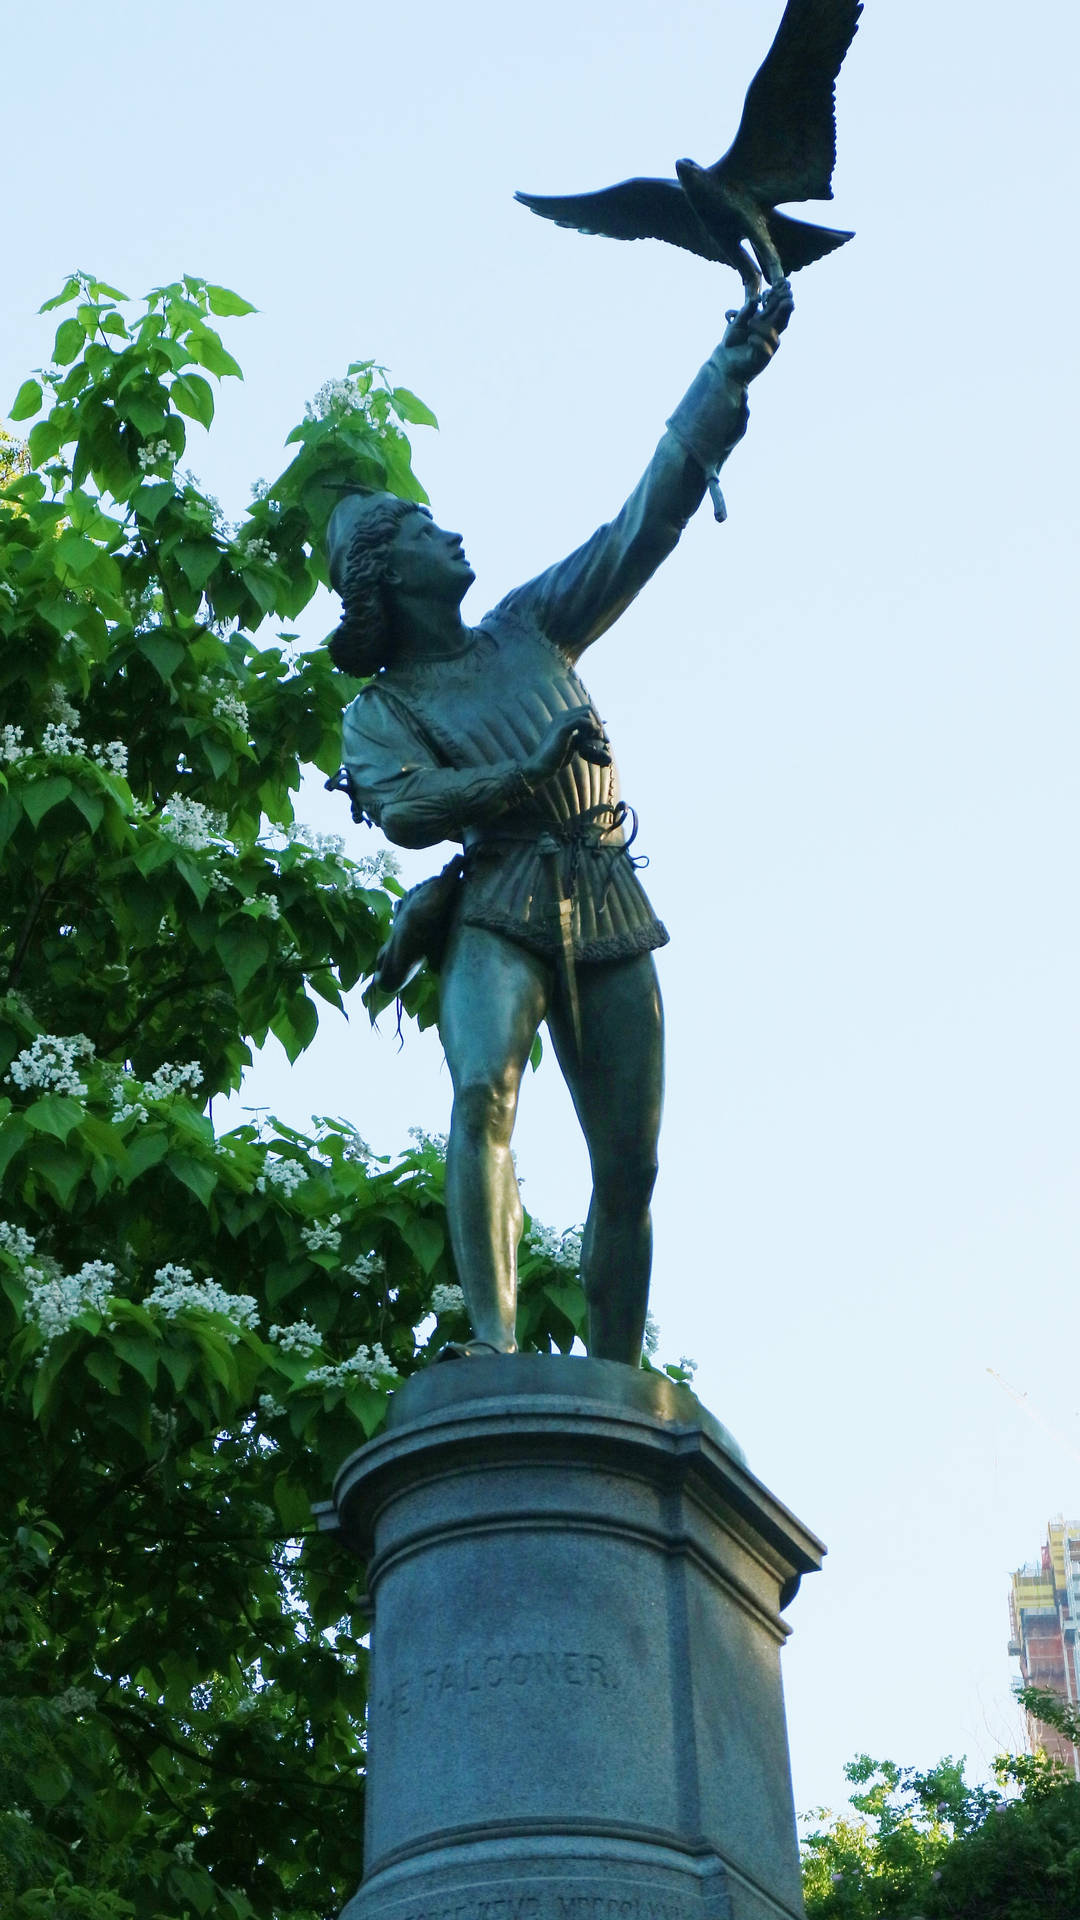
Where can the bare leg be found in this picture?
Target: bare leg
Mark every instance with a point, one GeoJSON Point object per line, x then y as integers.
{"type": "Point", "coordinates": [493, 997]}
{"type": "Point", "coordinates": [618, 1090]}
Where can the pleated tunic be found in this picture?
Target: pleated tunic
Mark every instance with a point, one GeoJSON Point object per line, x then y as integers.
{"type": "Point", "coordinates": [417, 735]}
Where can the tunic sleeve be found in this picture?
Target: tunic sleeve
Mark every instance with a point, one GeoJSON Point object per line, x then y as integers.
{"type": "Point", "coordinates": [577, 599]}
{"type": "Point", "coordinates": [397, 778]}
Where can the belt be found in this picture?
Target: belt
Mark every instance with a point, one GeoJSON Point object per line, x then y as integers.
{"type": "Point", "coordinates": [589, 833]}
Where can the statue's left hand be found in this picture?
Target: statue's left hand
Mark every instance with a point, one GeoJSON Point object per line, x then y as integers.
{"type": "Point", "coordinates": [753, 335]}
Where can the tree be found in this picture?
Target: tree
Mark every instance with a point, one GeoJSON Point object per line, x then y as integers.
{"type": "Point", "coordinates": [195, 1329]}
{"type": "Point", "coordinates": [927, 1846]}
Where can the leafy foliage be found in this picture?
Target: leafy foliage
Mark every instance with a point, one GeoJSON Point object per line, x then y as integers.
{"type": "Point", "coordinates": [926, 1846]}
{"type": "Point", "coordinates": [195, 1328]}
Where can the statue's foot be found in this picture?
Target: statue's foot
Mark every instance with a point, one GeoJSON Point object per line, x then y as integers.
{"type": "Point", "coordinates": [471, 1350]}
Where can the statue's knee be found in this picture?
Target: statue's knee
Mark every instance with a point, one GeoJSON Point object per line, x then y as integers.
{"type": "Point", "coordinates": [626, 1183]}
{"type": "Point", "coordinates": [485, 1108]}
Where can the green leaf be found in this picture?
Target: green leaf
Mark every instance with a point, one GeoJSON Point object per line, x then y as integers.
{"type": "Point", "coordinates": [11, 808]}
{"type": "Point", "coordinates": [140, 1352]}
{"type": "Point", "coordinates": [244, 951]}
{"type": "Point", "coordinates": [49, 1781]}
{"type": "Point", "coordinates": [42, 795]}
{"type": "Point", "coordinates": [163, 652]}
{"type": "Point", "coordinates": [77, 553]}
{"type": "Point", "coordinates": [13, 1135]}
{"type": "Point", "coordinates": [104, 1367]}
{"type": "Point", "coordinates": [197, 560]}
{"type": "Point", "coordinates": [227, 304]}
{"type": "Point", "coordinates": [194, 396]}
{"type": "Point", "coordinates": [27, 401]}
{"type": "Point", "coordinates": [292, 1503]}
{"type": "Point", "coordinates": [67, 292]}
{"type": "Point", "coordinates": [70, 337]}
{"type": "Point", "coordinates": [54, 1114]}
{"type": "Point", "coordinates": [205, 347]}
{"type": "Point", "coordinates": [61, 1168]}
{"type": "Point", "coordinates": [197, 1175]}
{"type": "Point", "coordinates": [46, 440]}
{"type": "Point", "coordinates": [146, 405]}
{"type": "Point", "coordinates": [412, 409]}
{"type": "Point", "coordinates": [149, 1145]}
{"type": "Point", "coordinates": [423, 1236]}
{"type": "Point", "coordinates": [90, 805]}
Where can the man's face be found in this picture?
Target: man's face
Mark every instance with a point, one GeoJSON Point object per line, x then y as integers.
{"type": "Point", "coordinates": [429, 562]}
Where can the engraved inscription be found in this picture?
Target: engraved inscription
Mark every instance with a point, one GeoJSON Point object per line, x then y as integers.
{"type": "Point", "coordinates": [563, 1906]}
{"type": "Point", "coordinates": [508, 1672]}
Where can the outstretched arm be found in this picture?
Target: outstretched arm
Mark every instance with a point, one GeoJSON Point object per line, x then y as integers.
{"type": "Point", "coordinates": [577, 600]}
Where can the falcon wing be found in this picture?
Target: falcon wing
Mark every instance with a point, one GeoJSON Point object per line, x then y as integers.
{"type": "Point", "coordinates": [785, 148]}
{"type": "Point", "coordinates": [633, 210]}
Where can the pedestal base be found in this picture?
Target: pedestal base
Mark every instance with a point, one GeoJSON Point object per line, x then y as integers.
{"type": "Point", "coordinates": [576, 1710]}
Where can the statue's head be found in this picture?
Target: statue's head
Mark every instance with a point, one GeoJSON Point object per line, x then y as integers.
{"type": "Point", "coordinates": [384, 552]}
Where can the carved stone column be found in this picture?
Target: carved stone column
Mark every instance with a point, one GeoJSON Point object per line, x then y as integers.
{"type": "Point", "coordinates": [576, 1708]}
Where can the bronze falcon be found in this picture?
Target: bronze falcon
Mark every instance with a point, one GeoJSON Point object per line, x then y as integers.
{"type": "Point", "coordinates": [785, 149]}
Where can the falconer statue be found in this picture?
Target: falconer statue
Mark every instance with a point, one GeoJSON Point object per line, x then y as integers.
{"type": "Point", "coordinates": [487, 736]}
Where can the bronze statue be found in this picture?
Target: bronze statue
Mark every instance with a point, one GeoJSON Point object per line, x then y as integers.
{"type": "Point", "coordinates": [487, 736]}
{"type": "Point", "coordinates": [785, 149]}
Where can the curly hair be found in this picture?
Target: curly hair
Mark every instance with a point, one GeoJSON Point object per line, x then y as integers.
{"type": "Point", "coordinates": [364, 640]}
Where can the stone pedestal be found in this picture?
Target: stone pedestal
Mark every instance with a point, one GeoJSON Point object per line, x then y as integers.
{"type": "Point", "coordinates": [576, 1709]}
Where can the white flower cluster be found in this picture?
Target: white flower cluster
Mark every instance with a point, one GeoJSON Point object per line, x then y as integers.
{"type": "Point", "coordinates": [328, 846]}
{"type": "Point", "coordinates": [447, 1300]}
{"type": "Point", "coordinates": [205, 506]}
{"type": "Point", "coordinates": [125, 1109]}
{"type": "Point", "coordinates": [299, 1337]}
{"type": "Point", "coordinates": [113, 756]}
{"type": "Point", "coordinates": [369, 1364]}
{"type": "Point", "coordinates": [323, 1239]}
{"type": "Point", "coordinates": [230, 708]}
{"type": "Point", "coordinates": [563, 1248]}
{"type": "Point", "coordinates": [428, 1142]}
{"type": "Point", "coordinates": [9, 592]}
{"type": "Point", "coordinates": [272, 905]}
{"type": "Point", "coordinates": [75, 1700]}
{"type": "Point", "coordinates": [260, 488]}
{"type": "Point", "coordinates": [60, 707]}
{"type": "Point", "coordinates": [257, 553]}
{"type": "Point", "coordinates": [357, 1149]}
{"type": "Point", "coordinates": [338, 397]}
{"type": "Point", "coordinates": [367, 1267]}
{"type": "Point", "coordinates": [652, 1335]}
{"type": "Point", "coordinates": [191, 824]}
{"type": "Point", "coordinates": [376, 866]}
{"type": "Point", "coordinates": [55, 1301]}
{"type": "Point", "coordinates": [176, 1290]}
{"type": "Point", "coordinates": [270, 1408]}
{"type": "Point", "coordinates": [184, 1851]}
{"type": "Point", "coordinates": [49, 1063]}
{"type": "Point", "coordinates": [59, 740]}
{"type": "Point", "coordinates": [16, 1241]}
{"type": "Point", "coordinates": [152, 455]}
{"type": "Point", "coordinates": [688, 1366]}
{"type": "Point", "coordinates": [286, 1174]}
{"type": "Point", "coordinates": [171, 1078]}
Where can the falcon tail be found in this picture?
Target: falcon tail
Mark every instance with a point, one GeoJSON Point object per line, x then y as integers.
{"type": "Point", "coordinates": [798, 242]}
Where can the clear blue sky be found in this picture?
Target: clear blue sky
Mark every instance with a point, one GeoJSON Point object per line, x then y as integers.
{"type": "Point", "coordinates": [848, 718]}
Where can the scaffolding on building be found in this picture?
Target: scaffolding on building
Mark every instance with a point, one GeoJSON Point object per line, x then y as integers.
{"type": "Point", "coordinates": [1044, 1616]}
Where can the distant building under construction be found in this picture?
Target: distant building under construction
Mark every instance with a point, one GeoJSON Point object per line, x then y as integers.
{"type": "Point", "coordinates": [1044, 1611]}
